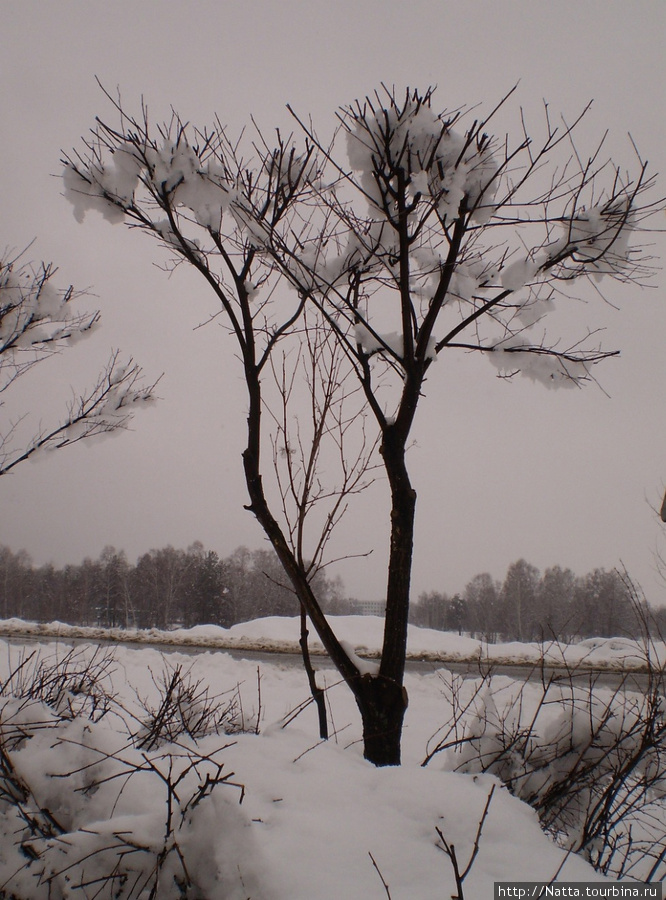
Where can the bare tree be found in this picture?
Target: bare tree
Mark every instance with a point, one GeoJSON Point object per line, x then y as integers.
{"type": "Point", "coordinates": [518, 601]}
{"type": "Point", "coordinates": [36, 321]}
{"type": "Point", "coordinates": [427, 236]}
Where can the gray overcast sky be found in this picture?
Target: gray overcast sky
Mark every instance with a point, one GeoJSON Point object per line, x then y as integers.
{"type": "Point", "coordinates": [504, 470]}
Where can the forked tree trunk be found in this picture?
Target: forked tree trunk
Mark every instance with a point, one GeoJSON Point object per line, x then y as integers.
{"type": "Point", "coordinates": [381, 698]}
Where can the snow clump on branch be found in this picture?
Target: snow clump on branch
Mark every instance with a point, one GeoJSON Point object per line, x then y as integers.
{"type": "Point", "coordinates": [105, 187]}
{"type": "Point", "coordinates": [442, 166]}
{"type": "Point", "coordinates": [597, 240]}
{"type": "Point", "coordinates": [390, 344]}
{"type": "Point", "coordinates": [33, 313]}
{"type": "Point", "coordinates": [550, 370]}
{"type": "Point", "coordinates": [173, 169]}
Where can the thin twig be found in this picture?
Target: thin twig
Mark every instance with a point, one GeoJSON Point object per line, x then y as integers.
{"type": "Point", "coordinates": [378, 871]}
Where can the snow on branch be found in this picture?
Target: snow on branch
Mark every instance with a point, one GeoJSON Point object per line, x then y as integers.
{"type": "Point", "coordinates": [455, 229]}
{"type": "Point", "coordinates": [36, 321]}
{"type": "Point", "coordinates": [104, 410]}
{"type": "Point", "coordinates": [389, 140]}
{"type": "Point", "coordinates": [544, 365]}
{"type": "Point", "coordinates": [411, 232]}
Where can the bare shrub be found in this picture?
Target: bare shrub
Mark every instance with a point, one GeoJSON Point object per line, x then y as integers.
{"type": "Point", "coordinates": [37, 320]}
{"type": "Point", "coordinates": [75, 684]}
{"type": "Point", "coordinates": [185, 706]}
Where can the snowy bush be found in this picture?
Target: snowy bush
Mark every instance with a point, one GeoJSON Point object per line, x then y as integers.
{"type": "Point", "coordinates": [89, 807]}
{"type": "Point", "coordinates": [590, 760]}
{"type": "Point", "coordinates": [86, 812]}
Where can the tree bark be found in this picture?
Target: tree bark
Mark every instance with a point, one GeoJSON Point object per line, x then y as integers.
{"type": "Point", "coordinates": [382, 704]}
{"type": "Point", "coordinates": [382, 699]}
{"type": "Point", "coordinates": [403, 512]}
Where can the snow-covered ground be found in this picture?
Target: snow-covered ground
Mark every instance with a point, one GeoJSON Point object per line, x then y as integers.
{"type": "Point", "coordinates": [316, 821]}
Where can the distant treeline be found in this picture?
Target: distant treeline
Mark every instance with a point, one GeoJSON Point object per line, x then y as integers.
{"type": "Point", "coordinates": [169, 587]}
{"type": "Point", "coordinates": [529, 606]}
{"type": "Point", "coordinates": [164, 588]}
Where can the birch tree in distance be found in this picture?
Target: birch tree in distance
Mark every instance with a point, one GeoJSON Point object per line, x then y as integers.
{"type": "Point", "coordinates": [349, 268]}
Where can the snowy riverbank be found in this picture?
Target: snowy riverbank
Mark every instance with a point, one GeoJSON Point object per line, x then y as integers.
{"type": "Point", "coordinates": [280, 634]}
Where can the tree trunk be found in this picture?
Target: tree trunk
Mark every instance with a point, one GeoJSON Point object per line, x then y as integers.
{"type": "Point", "coordinates": [382, 699]}
{"type": "Point", "coordinates": [382, 704]}
{"type": "Point", "coordinates": [403, 513]}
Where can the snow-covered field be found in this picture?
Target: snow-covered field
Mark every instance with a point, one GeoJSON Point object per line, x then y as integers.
{"type": "Point", "coordinates": [316, 821]}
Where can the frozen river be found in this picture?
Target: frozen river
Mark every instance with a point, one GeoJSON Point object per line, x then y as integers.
{"type": "Point", "coordinates": [634, 681]}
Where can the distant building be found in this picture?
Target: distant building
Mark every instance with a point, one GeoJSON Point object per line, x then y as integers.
{"type": "Point", "coordinates": [371, 607]}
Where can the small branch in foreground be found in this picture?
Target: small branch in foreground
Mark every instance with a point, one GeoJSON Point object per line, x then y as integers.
{"type": "Point", "coordinates": [378, 871]}
{"type": "Point", "coordinates": [450, 850]}
{"type": "Point", "coordinates": [318, 693]}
